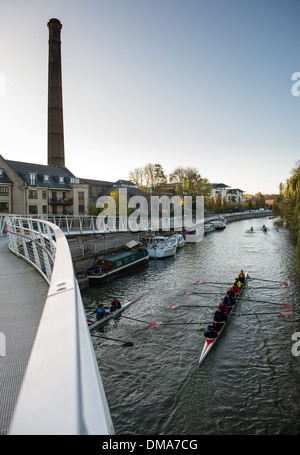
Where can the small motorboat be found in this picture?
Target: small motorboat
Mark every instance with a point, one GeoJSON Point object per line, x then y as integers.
{"type": "Point", "coordinates": [208, 227]}
{"type": "Point", "coordinates": [180, 240]}
{"type": "Point", "coordinates": [219, 224]}
{"type": "Point", "coordinates": [160, 247]}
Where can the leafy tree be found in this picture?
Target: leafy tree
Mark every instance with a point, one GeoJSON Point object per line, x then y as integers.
{"type": "Point", "coordinates": [287, 205]}
{"type": "Point", "coordinates": [149, 177]}
{"type": "Point", "coordinates": [188, 182]}
{"type": "Point", "coordinates": [91, 209]}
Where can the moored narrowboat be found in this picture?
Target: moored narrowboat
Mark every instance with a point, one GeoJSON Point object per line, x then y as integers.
{"type": "Point", "coordinates": [117, 265]}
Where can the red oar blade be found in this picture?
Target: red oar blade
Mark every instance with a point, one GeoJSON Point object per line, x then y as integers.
{"type": "Point", "coordinates": [154, 324]}
{"type": "Point", "coordinates": [187, 293]}
{"type": "Point", "coordinates": [286, 312]}
{"type": "Point", "coordinates": [174, 306]}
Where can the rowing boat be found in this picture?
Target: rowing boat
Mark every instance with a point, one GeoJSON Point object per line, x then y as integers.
{"type": "Point", "coordinates": [113, 315]}
{"type": "Point", "coordinates": [210, 342]}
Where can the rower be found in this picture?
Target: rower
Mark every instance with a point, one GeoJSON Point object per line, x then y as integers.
{"type": "Point", "coordinates": [235, 288]}
{"type": "Point", "coordinates": [242, 277]}
{"type": "Point", "coordinates": [224, 307]}
{"type": "Point", "coordinates": [211, 332]}
{"type": "Point", "coordinates": [100, 312]}
{"type": "Point", "coordinates": [231, 296]}
{"type": "Point", "coordinates": [238, 282]}
{"type": "Point", "coordinates": [219, 319]}
{"type": "Point", "coordinates": [228, 301]}
{"type": "Point", "coordinates": [115, 305]}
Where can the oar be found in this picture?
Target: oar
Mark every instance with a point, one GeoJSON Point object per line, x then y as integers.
{"type": "Point", "coordinates": [192, 306]}
{"type": "Point", "coordinates": [257, 314]}
{"type": "Point", "coordinates": [211, 282]}
{"type": "Point", "coordinates": [271, 281]}
{"type": "Point", "coordinates": [126, 343]}
{"type": "Point", "coordinates": [156, 324]}
{"type": "Point", "coordinates": [267, 286]}
{"type": "Point", "coordinates": [266, 301]}
{"type": "Point", "coordinates": [203, 293]}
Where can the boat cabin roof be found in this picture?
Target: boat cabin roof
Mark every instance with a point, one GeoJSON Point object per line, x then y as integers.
{"type": "Point", "coordinates": [119, 256]}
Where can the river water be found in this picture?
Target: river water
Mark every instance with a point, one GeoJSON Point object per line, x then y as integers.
{"type": "Point", "coordinates": [249, 383]}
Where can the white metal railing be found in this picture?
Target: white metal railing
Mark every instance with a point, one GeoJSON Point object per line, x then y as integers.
{"type": "Point", "coordinates": [85, 224]}
{"type": "Point", "coordinates": [62, 391]}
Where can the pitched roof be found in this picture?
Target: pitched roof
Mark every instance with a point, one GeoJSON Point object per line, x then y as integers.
{"type": "Point", "coordinates": [53, 172]}
{"type": "Point", "coordinates": [5, 179]}
{"type": "Point", "coordinates": [21, 167]}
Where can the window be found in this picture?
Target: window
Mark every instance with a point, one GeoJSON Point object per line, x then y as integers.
{"type": "Point", "coordinates": [81, 202]}
{"type": "Point", "coordinates": [74, 180]}
{"type": "Point", "coordinates": [3, 190]}
{"type": "Point", "coordinates": [61, 180]}
{"type": "Point", "coordinates": [44, 194]}
{"type": "Point", "coordinates": [44, 210]}
{"type": "Point", "coordinates": [33, 209]}
{"type": "Point", "coordinates": [3, 206]}
{"type": "Point", "coordinates": [33, 179]}
{"type": "Point", "coordinates": [46, 178]}
{"type": "Point", "coordinates": [32, 194]}
{"type": "Point", "coordinates": [1, 172]}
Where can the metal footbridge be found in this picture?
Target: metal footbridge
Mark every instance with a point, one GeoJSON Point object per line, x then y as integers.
{"type": "Point", "coordinates": [49, 377]}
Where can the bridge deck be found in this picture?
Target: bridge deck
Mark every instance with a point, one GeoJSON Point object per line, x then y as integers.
{"type": "Point", "coordinates": [23, 294]}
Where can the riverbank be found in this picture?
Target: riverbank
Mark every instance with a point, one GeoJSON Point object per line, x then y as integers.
{"type": "Point", "coordinates": [87, 249]}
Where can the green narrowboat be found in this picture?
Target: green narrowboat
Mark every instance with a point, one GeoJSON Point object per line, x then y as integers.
{"type": "Point", "coordinates": [117, 265]}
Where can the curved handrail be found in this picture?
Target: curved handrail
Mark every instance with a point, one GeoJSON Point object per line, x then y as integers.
{"type": "Point", "coordinates": [62, 391]}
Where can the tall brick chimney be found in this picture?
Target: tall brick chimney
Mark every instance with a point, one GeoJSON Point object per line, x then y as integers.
{"type": "Point", "coordinates": [56, 152]}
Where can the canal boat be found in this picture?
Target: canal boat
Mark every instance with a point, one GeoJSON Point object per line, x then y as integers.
{"type": "Point", "coordinates": [160, 247]}
{"type": "Point", "coordinates": [117, 265]}
{"type": "Point", "coordinates": [210, 342]}
{"type": "Point", "coordinates": [93, 323]}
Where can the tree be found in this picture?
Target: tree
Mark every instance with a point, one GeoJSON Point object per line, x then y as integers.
{"type": "Point", "coordinates": [92, 210]}
{"type": "Point", "coordinates": [218, 206]}
{"type": "Point", "coordinates": [188, 182]}
{"type": "Point", "coordinates": [287, 205]}
{"type": "Point", "coordinates": [150, 177]}
{"type": "Point", "coordinates": [137, 176]}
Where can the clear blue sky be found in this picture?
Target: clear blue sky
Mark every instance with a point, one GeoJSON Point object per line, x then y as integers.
{"type": "Point", "coordinates": [202, 83]}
